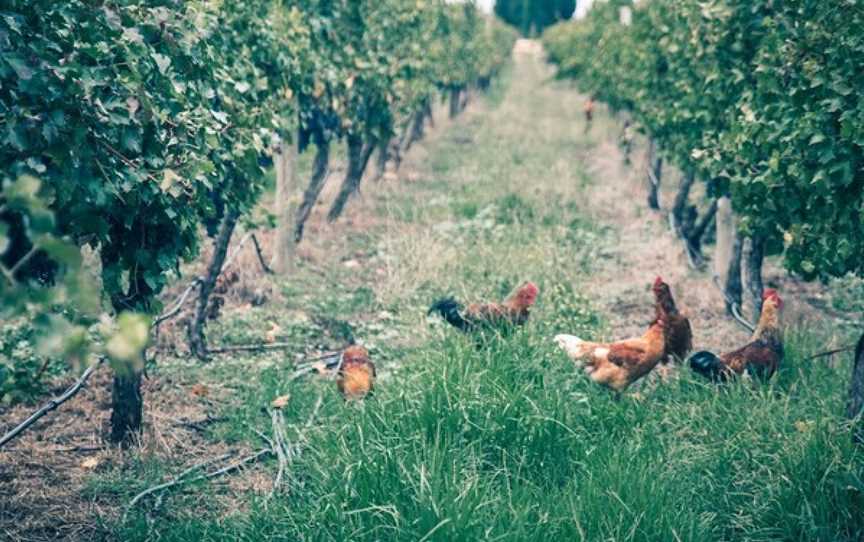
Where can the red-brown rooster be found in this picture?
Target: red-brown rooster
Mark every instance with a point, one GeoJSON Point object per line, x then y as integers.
{"type": "Point", "coordinates": [760, 357]}
{"type": "Point", "coordinates": [619, 364]}
{"type": "Point", "coordinates": [679, 335]}
{"type": "Point", "coordinates": [356, 376]}
{"type": "Point", "coordinates": [514, 311]}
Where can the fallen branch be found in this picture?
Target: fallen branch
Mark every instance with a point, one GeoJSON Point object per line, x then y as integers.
{"type": "Point", "coordinates": [177, 480]}
{"type": "Point", "coordinates": [328, 355]}
{"type": "Point", "coordinates": [53, 403]}
{"type": "Point", "coordinates": [827, 353]}
{"type": "Point", "coordinates": [182, 477]}
{"type": "Point", "coordinates": [199, 425]}
{"type": "Point", "coordinates": [277, 446]}
{"type": "Point", "coordinates": [334, 361]}
{"type": "Point", "coordinates": [250, 348]}
{"type": "Point", "coordinates": [285, 452]}
{"type": "Point", "coordinates": [80, 449]}
{"type": "Point", "coordinates": [280, 446]}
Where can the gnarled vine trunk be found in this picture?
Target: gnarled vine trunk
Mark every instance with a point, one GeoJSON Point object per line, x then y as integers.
{"type": "Point", "coordinates": [389, 152]}
{"type": "Point", "coordinates": [429, 113]}
{"type": "Point", "coordinates": [455, 102]}
{"type": "Point", "coordinates": [655, 174]}
{"type": "Point", "coordinates": [416, 130]}
{"type": "Point", "coordinates": [755, 256]}
{"type": "Point", "coordinates": [127, 407]}
{"type": "Point", "coordinates": [381, 159]}
{"type": "Point", "coordinates": [127, 402]}
{"type": "Point", "coordinates": [466, 98]}
{"type": "Point", "coordinates": [197, 340]}
{"type": "Point", "coordinates": [320, 166]}
{"type": "Point", "coordinates": [732, 288]}
{"type": "Point", "coordinates": [695, 236]}
{"type": "Point", "coordinates": [680, 205]}
{"type": "Point", "coordinates": [359, 152]}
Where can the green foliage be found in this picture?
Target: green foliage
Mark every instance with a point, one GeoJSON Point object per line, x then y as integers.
{"type": "Point", "coordinates": [533, 16]}
{"type": "Point", "coordinates": [375, 62]}
{"type": "Point", "coordinates": [20, 364]}
{"type": "Point", "coordinates": [142, 120]}
{"type": "Point", "coordinates": [800, 136]}
{"type": "Point", "coordinates": [146, 119]}
{"type": "Point", "coordinates": [57, 316]}
{"type": "Point", "coordinates": [95, 102]}
{"type": "Point", "coordinates": [468, 47]}
{"type": "Point", "coordinates": [41, 274]}
{"type": "Point", "coordinates": [847, 293]}
{"type": "Point", "coordinates": [754, 96]}
{"type": "Point", "coordinates": [256, 57]}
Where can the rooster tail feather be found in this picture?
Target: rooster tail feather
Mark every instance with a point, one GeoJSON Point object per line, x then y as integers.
{"type": "Point", "coordinates": [448, 308]}
{"type": "Point", "coordinates": [708, 365]}
{"type": "Point", "coordinates": [574, 346]}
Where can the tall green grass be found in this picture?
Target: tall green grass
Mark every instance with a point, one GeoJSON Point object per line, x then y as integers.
{"type": "Point", "coordinates": [510, 443]}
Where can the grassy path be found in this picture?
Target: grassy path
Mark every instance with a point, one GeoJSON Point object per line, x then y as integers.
{"type": "Point", "coordinates": [502, 443]}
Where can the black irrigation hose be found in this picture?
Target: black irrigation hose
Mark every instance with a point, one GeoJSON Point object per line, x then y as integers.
{"type": "Point", "coordinates": [736, 309]}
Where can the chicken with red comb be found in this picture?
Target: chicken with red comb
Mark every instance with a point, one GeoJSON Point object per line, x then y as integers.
{"type": "Point", "coordinates": [759, 358]}
{"type": "Point", "coordinates": [355, 378]}
{"type": "Point", "coordinates": [679, 334]}
{"type": "Point", "coordinates": [513, 311]}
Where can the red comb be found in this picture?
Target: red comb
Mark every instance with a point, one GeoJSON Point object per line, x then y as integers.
{"type": "Point", "coordinates": [770, 292]}
{"type": "Point", "coordinates": [530, 287]}
{"type": "Point", "coordinates": [658, 281]}
{"type": "Point", "coordinates": [355, 351]}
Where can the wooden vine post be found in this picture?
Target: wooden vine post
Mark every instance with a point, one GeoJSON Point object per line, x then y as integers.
{"type": "Point", "coordinates": [285, 161]}
{"type": "Point", "coordinates": [725, 224]}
